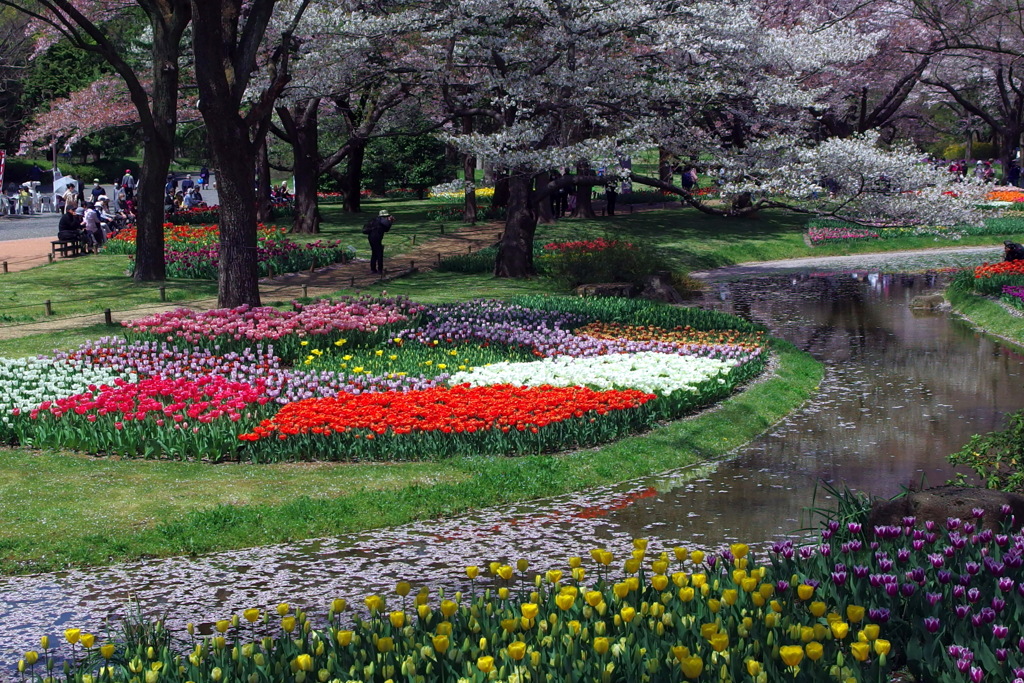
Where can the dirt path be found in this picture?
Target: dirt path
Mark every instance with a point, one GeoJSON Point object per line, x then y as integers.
{"type": "Point", "coordinates": [321, 282]}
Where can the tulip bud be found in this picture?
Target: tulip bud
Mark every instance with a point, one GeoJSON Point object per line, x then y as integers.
{"type": "Point", "coordinates": [44, 642]}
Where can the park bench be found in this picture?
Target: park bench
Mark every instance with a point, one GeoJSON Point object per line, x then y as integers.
{"type": "Point", "coordinates": [66, 248]}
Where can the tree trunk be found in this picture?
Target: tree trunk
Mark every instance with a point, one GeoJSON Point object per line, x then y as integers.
{"type": "Point", "coordinates": [263, 189]}
{"type": "Point", "coordinates": [305, 148]}
{"type": "Point", "coordinates": [354, 177]}
{"type": "Point", "coordinates": [665, 171]}
{"type": "Point", "coordinates": [515, 250]}
{"type": "Point", "coordinates": [584, 192]}
{"type": "Point", "coordinates": [238, 281]}
{"type": "Point", "coordinates": [469, 175]}
{"type": "Point", "coordinates": [500, 198]}
{"type": "Point", "coordinates": [544, 213]}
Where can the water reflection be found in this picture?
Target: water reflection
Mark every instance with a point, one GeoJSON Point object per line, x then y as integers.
{"type": "Point", "coordinates": [903, 389]}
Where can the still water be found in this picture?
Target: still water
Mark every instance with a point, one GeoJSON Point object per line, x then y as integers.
{"type": "Point", "coordinates": [903, 389]}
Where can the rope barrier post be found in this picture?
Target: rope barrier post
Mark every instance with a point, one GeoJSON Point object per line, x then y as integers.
{"type": "Point", "coordinates": [5, 267]}
{"type": "Point", "coordinates": [414, 240]}
{"type": "Point", "coordinates": [469, 249]}
{"type": "Point", "coordinates": [412, 265]}
{"type": "Point", "coordinates": [50, 257]}
{"type": "Point", "coordinates": [305, 291]}
{"type": "Point", "coordinates": [353, 282]}
{"type": "Point", "coordinates": [107, 317]}
{"type": "Point", "coordinates": [270, 269]}
{"type": "Point", "coordinates": [49, 308]}
{"type": "Point", "coordinates": [163, 293]}
{"type": "Point", "coordinates": [439, 259]}
{"type": "Point", "coordinates": [442, 228]}
{"type": "Point", "coordinates": [312, 266]}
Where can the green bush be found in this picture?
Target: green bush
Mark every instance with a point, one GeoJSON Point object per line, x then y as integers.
{"type": "Point", "coordinates": [578, 263]}
{"type": "Point", "coordinates": [979, 150]}
{"type": "Point", "coordinates": [996, 457]}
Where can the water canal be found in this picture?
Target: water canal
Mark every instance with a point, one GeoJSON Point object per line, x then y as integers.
{"type": "Point", "coordinates": [902, 390]}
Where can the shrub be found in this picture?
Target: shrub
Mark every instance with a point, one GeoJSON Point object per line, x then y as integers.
{"type": "Point", "coordinates": [996, 457]}
{"type": "Point", "coordinates": [575, 263]}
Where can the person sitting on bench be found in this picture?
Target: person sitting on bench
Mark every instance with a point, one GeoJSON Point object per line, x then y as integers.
{"type": "Point", "coordinates": [70, 227]}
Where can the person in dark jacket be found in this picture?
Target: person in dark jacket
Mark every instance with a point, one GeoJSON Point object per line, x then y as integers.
{"type": "Point", "coordinates": [1013, 251]}
{"type": "Point", "coordinates": [375, 230]}
{"type": "Point", "coordinates": [70, 227]}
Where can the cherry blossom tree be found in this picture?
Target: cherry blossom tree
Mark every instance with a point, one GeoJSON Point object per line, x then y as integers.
{"type": "Point", "coordinates": [152, 90]}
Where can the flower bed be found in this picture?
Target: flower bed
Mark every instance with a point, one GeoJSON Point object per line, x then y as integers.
{"type": "Point", "coordinates": [672, 616]}
{"type": "Point", "coordinates": [991, 278]}
{"type": "Point", "coordinates": [1014, 295]}
{"type": "Point", "coordinates": [820, 231]}
{"type": "Point", "coordinates": [193, 252]}
{"type": "Point", "coordinates": [366, 379]}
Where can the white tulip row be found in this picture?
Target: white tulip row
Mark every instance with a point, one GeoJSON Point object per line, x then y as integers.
{"type": "Point", "coordinates": [27, 382]}
{"type": "Point", "coordinates": [654, 373]}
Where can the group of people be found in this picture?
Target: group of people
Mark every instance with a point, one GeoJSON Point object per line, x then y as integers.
{"type": "Point", "coordinates": [91, 221]}
{"type": "Point", "coordinates": [187, 195]}
{"type": "Point", "coordinates": [1013, 251]}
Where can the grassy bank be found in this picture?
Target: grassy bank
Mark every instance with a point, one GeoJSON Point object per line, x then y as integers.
{"type": "Point", "coordinates": [126, 510]}
{"type": "Point", "coordinates": [987, 315]}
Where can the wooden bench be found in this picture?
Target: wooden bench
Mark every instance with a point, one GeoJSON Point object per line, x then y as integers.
{"type": "Point", "coordinates": [71, 248]}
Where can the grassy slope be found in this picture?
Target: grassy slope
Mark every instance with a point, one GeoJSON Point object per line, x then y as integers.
{"type": "Point", "coordinates": [988, 315]}
{"type": "Point", "coordinates": [124, 510]}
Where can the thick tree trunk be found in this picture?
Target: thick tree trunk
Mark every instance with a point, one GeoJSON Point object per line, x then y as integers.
{"type": "Point", "coordinates": [515, 250]}
{"type": "Point", "coordinates": [544, 213]}
{"type": "Point", "coordinates": [665, 171]}
{"type": "Point", "coordinates": [500, 190]}
{"type": "Point", "coordinates": [584, 203]}
{"type": "Point", "coordinates": [354, 177]}
{"type": "Point", "coordinates": [238, 281]}
{"type": "Point", "coordinates": [263, 189]}
{"type": "Point", "coordinates": [158, 146]}
{"type": "Point", "coordinates": [305, 155]}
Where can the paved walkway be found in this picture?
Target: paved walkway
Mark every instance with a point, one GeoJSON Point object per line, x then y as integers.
{"type": "Point", "coordinates": [322, 282]}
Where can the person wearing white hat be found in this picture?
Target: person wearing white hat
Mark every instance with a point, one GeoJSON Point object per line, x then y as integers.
{"type": "Point", "coordinates": [374, 231]}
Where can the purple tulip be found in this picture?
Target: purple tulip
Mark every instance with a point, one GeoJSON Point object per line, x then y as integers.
{"type": "Point", "coordinates": [1000, 631]}
{"type": "Point", "coordinates": [932, 624]}
{"type": "Point", "coordinates": [973, 595]}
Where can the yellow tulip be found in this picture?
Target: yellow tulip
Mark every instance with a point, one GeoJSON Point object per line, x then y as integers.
{"type": "Point", "coordinates": [529, 610]}
{"type": "Point", "coordinates": [288, 624]}
{"type": "Point", "coordinates": [871, 631]}
{"type": "Point", "coordinates": [854, 613]}
{"type": "Point", "coordinates": [699, 580]}
{"type": "Point", "coordinates": [594, 598]}
{"type": "Point", "coordinates": [628, 614]}
{"type": "Point", "coordinates": [692, 666]}
{"type": "Point", "coordinates": [697, 556]}
{"type": "Point", "coordinates": [448, 608]}
{"type": "Point", "coordinates": [251, 615]}
{"type": "Point", "coordinates": [304, 663]}
{"type": "Point", "coordinates": [522, 565]}
{"type": "Point", "coordinates": [749, 584]}
{"type": "Point", "coordinates": [776, 606]}
{"type": "Point", "coordinates": [766, 590]}
{"type": "Point", "coordinates": [440, 644]}
{"type": "Point", "coordinates": [403, 588]}
{"type": "Point", "coordinates": [680, 652]}
{"type": "Point", "coordinates": [753, 667]}
{"type": "Point", "coordinates": [216, 674]}
{"type": "Point", "coordinates": [31, 657]}
{"type": "Point", "coordinates": [385, 644]}
{"type": "Point", "coordinates": [553, 576]}
{"type": "Point", "coordinates": [659, 567]}
{"type": "Point", "coordinates": [503, 593]}
{"type": "Point", "coordinates": [840, 629]}
{"type": "Point", "coordinates": [860, 651]}
{"type": "Point", "coordinates": [806, 634]}
{"type": "Point", "coordinates": [882, 646]}
{"type": "Point", "coordinates": [720, 642]}
{"type": "Point", "coordinates": [804, 591]}
{"type": "Point", "coordinates": [44, 642]}
{"type": "Point", "coordinates": [444, 628]}
{"type": "Point", "coordinates": [72, 635]}
{"type": "Point", "coordinates": [283, 609]}
{"type": "Point", "coordinates": [107, 650]}
{"type": "Point", "coordinates": [605, 558]}
{"type": "Point", "coordinates": [575, 562]}
{"type": "Point", "coordinates": [659, 582]}
{"type": "Point", "coordinates": [485, 664]}
{"type": "Point", "coordinates": [565, 601]}
{"type": "Point", "coordinates": [739, 550]}
{"type": "Point", "coordinates": [87, 640]}
{"type": "Point", "coordinates": [344, 638]}
{"type": "Point", "coordinates": [601, 645]}
{"type": "Point", "coordinates": [505, 572]}
{"type": "Point", "coordinates": [686, 594]}
{"type": "Point", "coordinates": [714, 605]}
{"type": "Point", "coordinates": [708, 630]}
{"type": "Point", "coordinates": [791, 654]}
{"type": "Point", "coordinates": [814, 651]}
{"type": "Point", "coordinates": [472, 571]}
{"type": "Point", "coordinates": [397, 619]}
{"type": "Point", "coordinates": [510, 625]}
{"type": "Point", "coordinates": [729, 596]}
{"type": "Point", "coordinates": [632, 582]}
{"type": "Point", "coordinates": [517, 650]}
{"type": "Point", "coordinates": [424, 611]}
{"type": "Point", "coordinates": [640, 543]}
{"type": "Point", "coordinates": [621, 590]}
{"type": "Point", "coordinates": [374, 603]}
{"type": "Point", "coordinates": [631, 566]}
{"type": "Point", "coordinates": [578, 573]}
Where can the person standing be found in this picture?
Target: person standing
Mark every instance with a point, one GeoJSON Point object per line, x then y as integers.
{"type": "Point", "coordinates": [187, 184]}
{"type": "Point", "coordinates": [97, 189]}
{"type": "Point", "coordinates": [374, 231]}
{"type": "Point", "coordinates": [128, 184]}
{"type": "Point", "coordinates": [70, 197]}
{"type": "Point", "coordinates": [611, 192]}
{"type": "Point", "coordinates": [204, 177]}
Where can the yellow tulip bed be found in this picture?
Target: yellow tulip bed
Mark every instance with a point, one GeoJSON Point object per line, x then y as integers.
{"type": "Point", "coordinates": [666, 617]}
